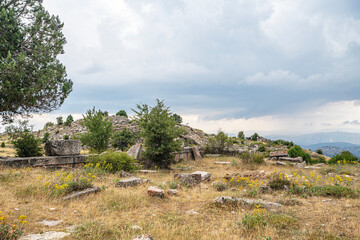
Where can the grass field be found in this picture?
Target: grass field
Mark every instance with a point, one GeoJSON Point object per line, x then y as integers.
{"type": "Point", "coordinates": [111, 213]}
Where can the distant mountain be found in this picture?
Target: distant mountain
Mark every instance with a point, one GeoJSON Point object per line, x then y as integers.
{"type": "Point", "coordinates": [325, 137]}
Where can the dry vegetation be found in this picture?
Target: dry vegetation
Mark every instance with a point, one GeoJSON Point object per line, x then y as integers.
{"type": "Point", "coordinates": [111, 213]}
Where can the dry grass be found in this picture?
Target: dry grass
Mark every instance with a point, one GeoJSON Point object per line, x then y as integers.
{"type": "Point", "coordinates": [111, 213]}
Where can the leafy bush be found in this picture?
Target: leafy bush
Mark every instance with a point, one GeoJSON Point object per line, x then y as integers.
{"type": "Point", "coordinates": [262, 148]}
{"type": "Point", "coordinates": [69, 120]}
{"type": "Point", "coordinates": [277, 183]}
{"type": "Point", "coordinates": [3, 145]}
{"type": "Point", "coordinates": [122, 113]}
{"type": "Point", "coordinates": [25, 143]}
{"type": "Point", "coordinates": [60, 120]}
{"type": "Point", "coordinates": [177, 118]}
{"type": "Point", "coordinates": [252, 158]}
{"type": "Point", "coordinates": [283, 221]}
{"type": "Point", "coordinates": [99, 129]}
{"type": "Point", "coordinates": [345, 157]}
{"type": "Point", "coordinates": [112, 162]}
{"type": "Point", "coordinates": [297, 151]}
{"type": "Point", "coordinates": [46, 137]}
{"type": "Point", "coordinates": [241, 135]}
{"type": "Point", "coordinates": [256, 219]}
{"type": "Point", "coordinates": [336, 190]}
{"type": "Point", "coordinates": [218, 143]}
{"type": "Point", "coordinates": [255, 137]}
{"type": "Point", "coordinates": [319, 151]}
{"type": "Point", "coordinates": [66, 137]}
{"type": "Point", "coordinates": [48, 124]}
{"type": "Point", "coordinates": [283, 142]}
{"type": "Point", "coordinates": [158, 128]}
{"type": "Point", "coordinates": [122, 139]}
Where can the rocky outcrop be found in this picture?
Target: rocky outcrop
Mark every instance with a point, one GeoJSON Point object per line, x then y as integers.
{"type": "Point", "coordinates": [188, 178]}
{"type": "Point", "coordinates": [135, 151]}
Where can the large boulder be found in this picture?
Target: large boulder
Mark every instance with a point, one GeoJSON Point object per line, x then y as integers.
{"type": "Point", "coordinates": [135, 151]}
{"type": "Point", "coordinates": [62, 147]}
{"type": "Point", "coordinates": [205, 176]}
{"type": "Point", "coordinates": [188, 179]}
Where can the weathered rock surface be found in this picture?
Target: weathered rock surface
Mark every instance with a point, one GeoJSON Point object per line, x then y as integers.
{"type": "Point", "coordinates": [46, 236]}
{"type": "Point", "coordinates": [212, 155]}
{"type": "Point", "coordinates": [173, 192]}
{"type": "Point", "coordinates": [259, 174]}
{"type": "Point", "coordinates": [188, 179]}
{"type": "Point", "coordinates": [125, 174]}
{"type": "Point", "coordinates": [155, 191]}
{"type": "Point", "coordinates": [217, 162]}
{"type": "Point", "coordinates": [227, 200]}
{"type": "Point", "coordinates": [196, 152]}
{"type": "Point", "coordinates": [205, 176]}
{"type": "Point", "coordinates": [289, 159]}
{"type": "Point", "coordinates": [279, 154]}
{"type": "Point", "coordinates": [62, 147]}
{"type": "Point", "coordinates": [129, 182]}
{"type": "Point", "coordinates": [135, 151]}
{"type": "Point", "coordinates": [82, 193]}
{"type": "Point", "coordinates": [148, 171]}
{"type": "Point", "coordinates": [50, 223]}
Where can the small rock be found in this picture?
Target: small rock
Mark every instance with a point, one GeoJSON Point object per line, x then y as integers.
{"type": "Point", "coordinates": [188, 179]}
{"type": "Point", "coordinates": [148, 171]}
{"type": "Point", "coordinates": [155, 191]}
{"type": "Point", "coordinates": [225, 200]}
{"type": "Point", "coordinates": [192, 212]}
{"type": "Point", "coordinates": [223, 163]}
{"type": "Point", "coordinates": [75, 211]}
{"type": "Point", "coordinates": [172, 192]}
{"type": "Point", "coordinates": [280, 163]}
{"type": "Point", "coordinates": [144, 237]}
{"type": "Point", "coordinates": [45, 236]}
{"type": "Point", "coordinates": [323, 225]}
{"type": "Point", "coordinates": [16, 209]}
{"type": "Point", "coordinates": [129, 182]}
{"type": "Point", "coordinates": [50, 223]}
{"type": "Point", "coordinates": [125, 174]}
{"type": "Point", "coordinates": [154, 215]}
{"type": "Point", "coordinates": [81, 193]}
{"type": "Point", "coordinates": [136, 227]}
{"type": "Point", "coordinates": [233, 212]}
{"type": "Point", "coordinates": [52, 209]}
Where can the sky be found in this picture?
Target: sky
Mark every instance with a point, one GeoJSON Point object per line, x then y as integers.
{"type": "Point", "coordinates": [266, 66]}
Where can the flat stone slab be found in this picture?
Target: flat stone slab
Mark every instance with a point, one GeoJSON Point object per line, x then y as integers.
{"type": "Point", "coordinates": [205, 176]}
{"type": "Point", "coordinates": [222, 162]}
{"type": "Point", "coordinates": [148, 171]}
{"type": "Point", "coordinates": [82, 193]}
{"type": "Point", "coordinates": [45, 161]}
{"type": "Point", "coordinates": [196, 152]}
{"type": "Point", "coordinates": [135, 151]}
{"type": "Point", "coordinates": [129, 182]}
{"type": "Point", "coordinates": [62, 147]}
{"type": "Point", "coordinates": [212, 155]}
{"type": "Point", "coordinates": [258, 174]}
{"type": "Point", "coordinates": [226, 200]}
{"type": "Point", "coordinates": [289, 159]}
{"type": "Point", "coordinates": [144, 237]}
{"type": "Point", "coordinates": [50, 223]}
{"type": "Point", "coordinates": [188, 178]}
{"type": "Point", "coordinates": [155, 191]}
{"type": "Point", "coordinates": [45, 236]}
{"type": "Point", "coordinates": [279, 154]}
{"type": "Point", "coordinates": [172, 192]}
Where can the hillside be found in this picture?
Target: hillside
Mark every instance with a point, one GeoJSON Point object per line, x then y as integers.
{"type": "Point", "coordinates": [331, 149]}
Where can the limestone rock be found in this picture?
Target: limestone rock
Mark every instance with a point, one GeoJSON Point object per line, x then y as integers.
{"type": "Point", "coordinates": [155, 191]}
{"type": "Point", "coordinates": [188, 179]}
{"type": "Point", "coordinates": [205, 176]}
{"type": "Point", "coordinates": [50, 223]}
{"type": "Point", "coordinates": [46, 236]}
{"type": "Point", "coordinates": [148, 171]}
{"type": "Point", "coordinates": [227, 200]}
{"type": "Point", "coordinates": [135, 151]}
{"type": "Point", "coordinates": [125, 174]}
{"type": "Point", "coordinates": [144, 237]}
{"type": "Point", "coordinates": [196, 153]}
{"type": "Point", "coordinates": [129, 182]}
{"type": "Point", "coordinates": [82, 193]}
{"type": "Point", "coordinates": [173, 192]}
{"type": "Point", "coordinates": [62, 147]}
{"type": "Point", "coordinates": [223, 163]}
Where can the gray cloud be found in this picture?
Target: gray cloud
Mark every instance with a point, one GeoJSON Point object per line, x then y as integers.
{"type": "Point", "coordinates": [355, 122]}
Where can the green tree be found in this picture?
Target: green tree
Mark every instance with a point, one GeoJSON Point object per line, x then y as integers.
{"type": "Point", "coordinates": [344, 157]}
{"type": "Point", "coordinates": [122, 113]}
{"type": "Point", "coordinates": [32, 79]}
{"type": "Point", "coordinates": [69, 120]}
{"type": "Point", "coordinates": [60, 120]}
{"type": "Point", "coordinates": [255, 137]}
{"type": "Point", "coordinates": [122, 139]}
{"type": "Point", "coordinates": [158, 128]}
{"type": "Point", "coordinates": [319, 151]}
{"type": "Point", "coordinates": [241, 135]}
{"type": "Point", "coordinates": [218, 143]}
{"type": "Point", "coordinates": [25, 143]}
{"type": "Point", "coordinates": [177, 118]}
{"type": "Point", "coordinates": [297, 151]}
{"type": "Point", "coordinates": [99, 128]}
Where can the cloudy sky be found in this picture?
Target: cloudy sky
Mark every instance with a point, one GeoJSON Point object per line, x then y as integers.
{"type": "Point", "coordinates": [271, 66]}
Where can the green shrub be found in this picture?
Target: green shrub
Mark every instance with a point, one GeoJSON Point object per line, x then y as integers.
{"type": "Point", "coordinates": [283, 142]}
{"type": "Point", "coordinates": [159, 130]}
{"type": "Point", "coordinates": [112, 162]}
{"type": "Point", "coordinates": [279, 184]}
{"type": "Point", "coordinates": [258, 158]}
{"type": "Point", "coordinates": [218, 143]}
{"type": "Point", "coordinates": [297, 151]}
{"type": "Point", "coordinates": [122, 113]}
{"type": "Point", "coordinates": [345, 157]}
{"type": "Point", "coordinates": [11, 231]}
{"type": "Point", "coordinates": [60, 120]}
{"type": "Point", "coordinates": [241, 135]}
{"type": "Point", "coordinates": [252, 158]}
{"type": "Point", "coordinates": [69, 120]}
{"type": "Point", "coordinates": [66, 137]}
{"type": "Point", "coordinates": [123, 139]}
{"type": "Point", "coordinates": [25, 143]}
{"type": "Point", "coordinates": [46, 137]}
{"type": "Point", "coordinates": [262, 148]}
{"type": "Point", "coordinates": [99, 128]}
{"type": "Point", "coordinates": [3, 145]}
{"type": "Point", "coordinates": [255, 137]}
{"type": "Point", "coordinates": [336, 190]}
{"type": "Point", "coordinates": [319, 151]}
{"type": "Point", "coordinates": [283, 221]}
{"type": "Point", "coordinates": [177, 118]}
{"type": "Point", "coordinates": [48, 124]}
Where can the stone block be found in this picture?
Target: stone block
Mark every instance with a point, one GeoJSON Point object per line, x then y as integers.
{"type": "Point", "coordinates": [62, 147]}
{"type": "Point", "coordinates": [155, 191]}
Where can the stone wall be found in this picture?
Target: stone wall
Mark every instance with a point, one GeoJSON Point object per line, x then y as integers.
{"type": "Point", "coordinates": [187, 154]}
{"type": "Point", "coordinates": [47, 161]}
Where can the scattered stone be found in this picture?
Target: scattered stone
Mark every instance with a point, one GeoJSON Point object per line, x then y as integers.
{"type": "Point", "coordinates": [16, 209]}
{"type": "Point", "coordinates": [125, 174]}
{"type": "Point", "coordinates": [129, 182]}
{"type": "Point", "coordinates": [196, 153]}
{"type": "Point", "coordinates": [155, 191]}
{"type": "Point", "coordinates": [62, 147]}
{"type": "Point", "coordinates": [188, 179]}
{"type": "Point", "coordinates": [250, 174]}
{"type": "Point", "coordinates": [173, 192]}
{"type": "Point", "coordinates": [148, 171]}
{"type": "Point", "coordinates": [45, 236]}
{"type": "Point", "coordinates": [225, 200]}
{"type": "Point", "coordinates": [75, 211]}
{"type": "Point", "coordinates": [192, 212]}
{"type": "Point", "coordinates": [52, 209]}
{"type": "Point", "coordinates": [212, 155]}
{"type": "Point", "coordinates": [319, 165]}
{"type": "Point", "coordinates": [234, 190]}
{"type": "Point", "coordinates": [289, 159]}
{"type": "Point", "coordinates": [280, 163]}
{"type": "Point", "coordinates": [135, 151]}
{"type": "Point", "coordinates": [205, 176]}
{"type": "Point", "coordinates": [311, 167]}
{"type": "Point", "coordinates": [50, 223]}
{"type": "Point", "coordinates": [136, 227]}
{"type": "Point", "coordinates": [279, 154]}
{"type": "Point", "coordinates": [154, 215]}
{"type": "Point", "coordinates": [144, 237]}
{"type": "Point", "coordinates": [82, 193]}
{"type": "Point", "coordinates": [323, 225]}
{"type": "Point", "coordinates": [224, 163]}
